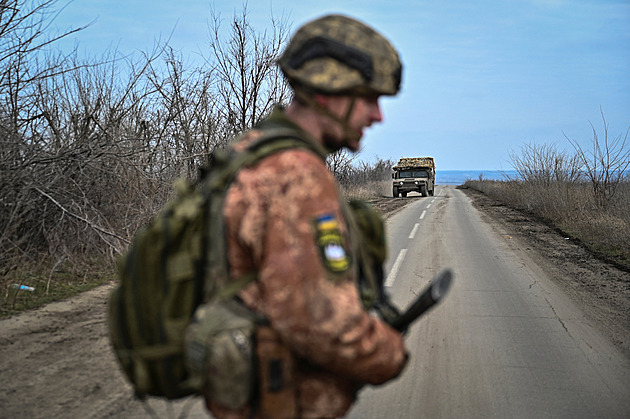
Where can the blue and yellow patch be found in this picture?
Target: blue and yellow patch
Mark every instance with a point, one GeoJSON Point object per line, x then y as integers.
{"type": "Point", "coordinates": [330, 243]}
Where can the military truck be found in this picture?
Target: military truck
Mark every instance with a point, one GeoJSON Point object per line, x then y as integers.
{"type": "Point", "coordinates": [414, 174]}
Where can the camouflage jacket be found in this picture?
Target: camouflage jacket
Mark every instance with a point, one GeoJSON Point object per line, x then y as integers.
{"type": "Point", "coordinates": [284, 219]}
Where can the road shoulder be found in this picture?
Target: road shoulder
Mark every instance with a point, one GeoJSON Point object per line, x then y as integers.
{"type": "Point", "coordinates": [599, 288]}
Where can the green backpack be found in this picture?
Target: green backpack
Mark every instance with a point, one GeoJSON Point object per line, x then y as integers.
{"type": "Point", "coordinates": [175, 263]}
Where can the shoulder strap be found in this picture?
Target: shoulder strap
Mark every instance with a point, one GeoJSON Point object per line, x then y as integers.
{"type": "Point", "coordinates": [217, 270]}
{"type": "Point", "coordinates": [273, 141]}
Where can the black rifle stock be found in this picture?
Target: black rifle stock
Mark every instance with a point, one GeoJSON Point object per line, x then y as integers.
{"type": "Point", "coordinates": [429, 297]}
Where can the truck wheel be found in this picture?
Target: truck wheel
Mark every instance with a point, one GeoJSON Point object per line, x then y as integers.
{"type": "Point", "coordinates": [423, 190]}
{"type": "Point", "coordinates": [395, 192]}
{"type": "Point", "coordinates": [431, 192]}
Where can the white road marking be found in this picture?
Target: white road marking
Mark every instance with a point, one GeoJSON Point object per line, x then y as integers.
{"type": "Point", "coordinates": [413, 231]}
{"type": "Point", "coordinates": [392, 274]}
{"type": "Point", "coordinates": [423, 214]}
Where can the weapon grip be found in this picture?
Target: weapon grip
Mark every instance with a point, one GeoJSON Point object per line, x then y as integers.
{"type": "Point", "coordinates": [429, 297]}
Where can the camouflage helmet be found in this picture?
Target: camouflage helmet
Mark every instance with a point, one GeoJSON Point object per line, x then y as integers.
{"type": "Point", "coordinates": [336, 54]}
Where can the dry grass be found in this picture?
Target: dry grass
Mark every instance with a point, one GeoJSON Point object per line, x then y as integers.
{"type": "Point", "coordinates": [572, 208]}
{"type": "Point", "coordinates": [367, 191]}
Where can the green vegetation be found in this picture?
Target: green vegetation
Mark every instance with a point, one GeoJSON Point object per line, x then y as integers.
{"type": "Point", "coordinates": [51, 280]}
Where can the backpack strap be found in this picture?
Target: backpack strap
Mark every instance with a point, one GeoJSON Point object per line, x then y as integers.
{"type": "Point", "coordinates": [217, 283]}
{"type": "Point", "coordinates": [272, 141]}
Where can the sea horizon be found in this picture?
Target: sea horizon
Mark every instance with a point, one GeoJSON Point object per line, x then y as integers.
{"type": "Point", "coordinates": [459, 177]}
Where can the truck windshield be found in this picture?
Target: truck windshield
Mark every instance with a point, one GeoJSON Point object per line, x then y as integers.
{"type": "Point", "coordinates": [413, 173]}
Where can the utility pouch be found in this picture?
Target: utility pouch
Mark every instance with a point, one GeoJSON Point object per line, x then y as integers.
{"type": "Point", "coordinates": [276, 369]}
{"type": "Point", "coordinates": [220, 352]}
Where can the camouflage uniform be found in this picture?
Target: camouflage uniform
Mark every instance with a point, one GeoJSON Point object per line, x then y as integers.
{"type": "Point", "coordinates": [275, 214]}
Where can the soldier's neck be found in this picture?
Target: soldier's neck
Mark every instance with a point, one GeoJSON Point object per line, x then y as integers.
{"type": "Point", "coordinates": [307, 119]}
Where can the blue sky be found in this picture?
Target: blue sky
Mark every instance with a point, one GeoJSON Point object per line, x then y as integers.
{"type": "Point", "coordinates": [481, 78]}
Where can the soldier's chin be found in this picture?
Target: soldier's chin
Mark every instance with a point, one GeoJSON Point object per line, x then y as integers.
{"type": "Point", "coordinates": [353, 146]}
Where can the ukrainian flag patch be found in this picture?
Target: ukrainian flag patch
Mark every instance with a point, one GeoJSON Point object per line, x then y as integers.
{"type": "Point", "coordinates": [330, 243]}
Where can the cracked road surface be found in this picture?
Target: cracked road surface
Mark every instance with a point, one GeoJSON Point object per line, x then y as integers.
{"type": "Point", "coordinates": [507, 342]}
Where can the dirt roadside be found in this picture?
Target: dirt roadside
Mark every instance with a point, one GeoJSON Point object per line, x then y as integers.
{"type": "Point", "coordinates": [56, 361]}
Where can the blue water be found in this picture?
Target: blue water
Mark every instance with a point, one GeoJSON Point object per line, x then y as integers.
{"type": "Point", "coordinates": [458, 177]}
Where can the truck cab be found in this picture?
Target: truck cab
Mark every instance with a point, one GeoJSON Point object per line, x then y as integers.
{"type": "Point", "coordinates": [414, 174]}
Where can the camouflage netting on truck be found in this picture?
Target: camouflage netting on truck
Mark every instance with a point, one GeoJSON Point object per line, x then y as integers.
{"type": "Point", "coordinates": [415, 162]}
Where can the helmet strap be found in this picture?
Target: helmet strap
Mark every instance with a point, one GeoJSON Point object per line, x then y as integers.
{"type": "Point", "coordinates": [349, 133]}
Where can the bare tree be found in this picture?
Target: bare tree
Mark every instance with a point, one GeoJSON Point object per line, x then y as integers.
{"type": "Point", "coordinates": [78, 152]}
{"type": "Point", "coordinates": [24, 35]}
{"type": "Point", "coordinates": [24, 32]}
{"type": "Point", "coordinates": [248, 82]}
{"type": "Point", "coordinates": [606, 165]}
{"type": "Point", "coordinates": [340, 164]}
{"type": "Point", "coordinates": [89, 150]}
{"type": "Point", "coordinates": [189, 127]}
{"type": "Point", "coordinates": [544, 164]}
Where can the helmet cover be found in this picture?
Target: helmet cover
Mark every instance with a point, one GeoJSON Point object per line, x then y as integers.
{"type": "Point", "coordinates": [336, 54]}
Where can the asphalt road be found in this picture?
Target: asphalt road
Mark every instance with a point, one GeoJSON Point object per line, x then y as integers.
{"type": "Point", "coordinates": [505, 342]}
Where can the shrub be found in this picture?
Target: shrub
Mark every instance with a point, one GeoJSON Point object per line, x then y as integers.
{"type": "Point", "coordinates": [556, 188]}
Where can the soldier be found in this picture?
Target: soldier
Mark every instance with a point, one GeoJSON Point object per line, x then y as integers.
{"type": "Point", "coordinates": [285, 219]}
